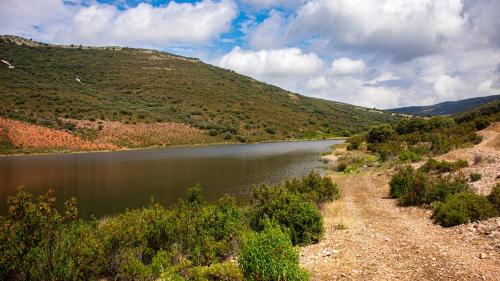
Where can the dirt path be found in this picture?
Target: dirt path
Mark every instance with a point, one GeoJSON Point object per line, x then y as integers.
{"type": "Point", "coordinates": [382, 241]}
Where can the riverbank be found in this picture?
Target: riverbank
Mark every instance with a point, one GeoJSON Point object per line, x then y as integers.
{"type": "Point", "coordinates": [163, 147]}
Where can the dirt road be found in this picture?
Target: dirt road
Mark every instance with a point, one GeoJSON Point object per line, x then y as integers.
{"type": "Point", "coordinates": [369, 237]}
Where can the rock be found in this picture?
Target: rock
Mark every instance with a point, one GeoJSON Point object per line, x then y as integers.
{"type": "Point", "coordinates": [483, 256]}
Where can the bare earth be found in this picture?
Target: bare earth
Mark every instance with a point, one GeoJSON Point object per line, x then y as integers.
{"type": "Point", "coordinates": [369, 237]}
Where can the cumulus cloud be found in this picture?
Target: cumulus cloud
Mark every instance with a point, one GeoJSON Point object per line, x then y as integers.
{"type": "Point", "coordinates": [273, 63]}
{"type": "Point", "coordinates": [347, 66]}
{"type": "Point", "coordinates": [404, 28]}
{"type": "Point", "coordinates": [101, 24]}
{"type": "Point", "coordinates": [265, 4]}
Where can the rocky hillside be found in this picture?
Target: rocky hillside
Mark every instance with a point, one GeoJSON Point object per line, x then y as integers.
{"type": "Point", "coordinates": [134, 97]}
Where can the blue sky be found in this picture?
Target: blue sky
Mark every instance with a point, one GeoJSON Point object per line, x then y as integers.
{"type": "Point", "coordinates": [374, 53]}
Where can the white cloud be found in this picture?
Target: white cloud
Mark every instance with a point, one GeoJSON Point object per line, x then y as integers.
{"type": "Point", "coordinates": [101, 24]}
{"type": "Point", "coordinates": [403, 28]}
{"type": "Point", "coordinates": [274, 63]}
{"type": "Point", "coordinates": [263, 4]}
{"type": "Point", "coordinates": [347, 66]}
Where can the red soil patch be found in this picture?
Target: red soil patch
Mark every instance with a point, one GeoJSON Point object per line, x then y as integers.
{"type": "Point", "coordinates": [31, 136]}
{"type": "Point", "coordinates": [144, 135]}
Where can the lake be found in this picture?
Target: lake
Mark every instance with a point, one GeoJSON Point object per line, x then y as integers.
{"type": "Point", "coordinates": [106, 183]}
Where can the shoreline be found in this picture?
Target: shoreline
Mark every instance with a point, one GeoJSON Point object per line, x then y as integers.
{"type": "Point", "coordinates": [162, 147]}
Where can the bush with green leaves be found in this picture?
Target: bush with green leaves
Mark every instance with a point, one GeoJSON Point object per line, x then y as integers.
{"type": "Point", "coordinates": [402, 181]}
{"type": "Point", "coordinates": [315, 188]}
{"type": "Point", "coordinates": [380, 134]}
{"type": "Point", "coordinates": [475, 177]}
{"type": "Point", "coordinates": [444, 166]}
{"type": "Point", "coordinates": [494, 197]}
{"type": "Point", "coordinates": [193, 229]}
{"type": "Point", "coordinates": [463, 207]}
{"type": "Point", "coordinates": [269, 255]}
{"type": "Point", "coordinates": [409, 156]}
{"type": "Point", "coordinates": [298, 217]}
{"type": "Point", "coordinates": [413, 187]}
{"type": "Point", "coordinates": [39, 243]}
{"type": "Point", "coordinates": [354, 142]}
{"type": "Point", "coordinates": [439, 189]}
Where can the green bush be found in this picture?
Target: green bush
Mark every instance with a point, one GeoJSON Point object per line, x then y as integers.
{"type": "Point", "coordinates": [402, 181]}
{"type": "Point", "coordinates": [475, 177]}
{"type": "Point", "coordinates": [409, 156]}
{"type": "Point", "coordinates": [441, 188]}
{"type": "Point", "coordinates": [433, 165]}
{"type": "Point", "coordinates": [38, 243]}
{"type": "Point", "coordinates": [463, 208]}
{"type": "Point", "coordinates": [380, 134]}
{"type": "Point", "coordinates": [297, 216]}
{"type": "Point", "coordinates": [269, 255]}
{"type": "Point", "coordinates": [354, 142]}
{"type": "Point", "coordinates": [416, 191]}
{"type": "Point", "coordinates": [494, 197]}
{"type": "Point", "coordinates": [315, 188]}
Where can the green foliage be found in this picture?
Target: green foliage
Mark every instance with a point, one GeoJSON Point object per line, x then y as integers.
{"type": "Point", "coordinates": [409, 156]}
{"type": "Point", "coordinates": [433, 136]}
{"type": "Point", "coordinates": [441, 188]}
{"type": "Point", "coordinates": [413, 187]}
{"type": "Point", "coordinates": [475, 177]}
{"type": "Point", "coordinates": [494, 197]}
{"type": "Point", "coordinates": [462, 208]}
{"type": "Point", "coordinates": [380, 134]}
{"type": "Point", "coordinates": [299, 218]}
{"type": "Point", "coordinates": [38, 243]}
{"type": "Point", "coordinates": [315, 188]}
{"type": "Point", "coordinates": [269, 255]}
{"type": "Point", "coordinates": [433, 165]}
{"type": "Point", "coordinates": [402, 181]}
{"type": "Point", "coordinates": [354, 142]}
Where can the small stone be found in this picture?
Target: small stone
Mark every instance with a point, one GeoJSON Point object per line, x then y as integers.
{"type": "Point", "coordinates": [483, 256]}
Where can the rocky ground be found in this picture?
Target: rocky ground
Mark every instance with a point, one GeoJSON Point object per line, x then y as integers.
{"type": "Point", "coordinates": [369, 237]}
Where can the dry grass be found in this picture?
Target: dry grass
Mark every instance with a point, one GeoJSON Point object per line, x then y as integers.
{"type": "Point", "coordinates": [36, 137]}
{"type": "Point", "coordinates": [144, 135]}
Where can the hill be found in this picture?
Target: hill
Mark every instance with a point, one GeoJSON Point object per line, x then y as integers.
{"type": "Point", "coordinates": [90, 98]}
{"type": "Point", "coordinates": [446, 108]}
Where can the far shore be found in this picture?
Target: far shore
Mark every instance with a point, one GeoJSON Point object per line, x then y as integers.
{"type": "Point", "coordinates": [163, 146]}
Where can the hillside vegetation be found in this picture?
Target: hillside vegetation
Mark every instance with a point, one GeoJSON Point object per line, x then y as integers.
{"type": "Point", "coordinates": [446, 108]}
{"type": "Point", "coordinates": [85, 91]}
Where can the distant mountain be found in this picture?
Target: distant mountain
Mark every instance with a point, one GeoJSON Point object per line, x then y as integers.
{"type": "Point", "coordinates": [445, 108]}
{"type": "Point", "coordinates": [136, 98]}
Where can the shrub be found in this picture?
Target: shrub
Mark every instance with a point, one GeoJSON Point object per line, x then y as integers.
{"type": "Point", "coordinates": [354, 142]}
{"type": "Point", "coordinates": [441, 188]}
{"type": "Point", "coordinates": [298, 217]}
{"type": "Point", "coordinates": [269, 255]}
{"type": "Point", "coordinates": [38, 243]}
{"type": "Point", "coordinates": [494, 197]}
{"type": "Point", "coordinates": [409, 156]}
{"type": "Point", "coordinates": [271, 130]}
{"type": "Point", "coordinates": [482, 123]}
{"type": "Point", "coordinates": [416, 190]}
{"type": "Point", "coordinates": [380, 134]}
{"type": "Point", "coordinates": [463, 208]}
{"type": "Point", "coordinates": [402, 181]}
{"type": "Point", "coordinates": [475, 177]}
{"type": "Point", "coordinates": [315, 188]}
{"type": "Point", "coordinates": [433, 165]}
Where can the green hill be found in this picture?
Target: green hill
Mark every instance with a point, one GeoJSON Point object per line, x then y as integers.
{"type": "Point", "coordinates": [86, 90]}
{"type": "Point", "coordinates": [447, 108]}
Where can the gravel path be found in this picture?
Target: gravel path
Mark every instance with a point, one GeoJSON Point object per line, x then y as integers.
{"type": "Point", "coordinates": [369, 237]}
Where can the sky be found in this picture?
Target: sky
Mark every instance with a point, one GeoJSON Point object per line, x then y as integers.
{"type": "Point", "coordinates": [373, 53]}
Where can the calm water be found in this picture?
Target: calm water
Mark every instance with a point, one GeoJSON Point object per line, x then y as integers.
{"type": "Point", "coordinates": [110, 182]}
